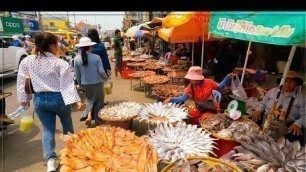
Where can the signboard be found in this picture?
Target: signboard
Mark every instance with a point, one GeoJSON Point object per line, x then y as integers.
{"type": "Point", "coordinates": [30, 25]}
{"type": "Point", "coordinates": [1, 26]}
{"type": "Point", "coordinates": [12, 25]}
{"type": "Point", "coordinates": [280, 28]}
{"type": "Point", "coordinates": [181, 39]}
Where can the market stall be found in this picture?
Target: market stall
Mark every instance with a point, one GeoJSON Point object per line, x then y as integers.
{"type": "Point", "coordinates": [285, 28]}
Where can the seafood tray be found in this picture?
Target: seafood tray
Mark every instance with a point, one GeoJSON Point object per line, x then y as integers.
{"type": "Point", "coordinates": [158, 112]}
{"type": "Point", "coordinates": [137, 64]}
{"type": "Point", "coordinates": [107, 149]}
{"type": "Point", "coordinates": [167, 69]}
{"type": "Point", "coordinates": [223, 127]}
{"type": "Point", "coordinates": [263, 153]}
{"type": "Point", "coordinates": [201, 164]}
{"type": "Point", "coordinates": [137, 59]}
{"type": "Point", "coordinates": [120, 112]}
{"type": "Point", "coordinates": [152, 66]}
{"type": "Point", "coordinates": [239, 71]}
{"type": "Point", "coordinates": [177, 74]}
{"type": "Point", "coordinates": [155, 79]}
{"type": "Point", "coordinates": [168, 90]}
{"type": "Point", "coordinates": [141, 74]}
{"type": "Point", "coordinates": [180, 141]}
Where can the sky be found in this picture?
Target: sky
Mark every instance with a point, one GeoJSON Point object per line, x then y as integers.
{"type": "Point", "coordinates": [107, 20]}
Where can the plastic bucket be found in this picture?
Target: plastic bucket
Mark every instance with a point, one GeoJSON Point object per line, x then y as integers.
{"type": "Point", "coordinates": [224, 146]}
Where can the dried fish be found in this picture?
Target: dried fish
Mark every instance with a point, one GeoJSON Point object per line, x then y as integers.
{"type": "Point", "coordinates": [173, 144]}
{"type": "Point", "coordinates": [159, 112]}
{"type": "Point", "coordinates": [125, 110]}
{"type": "Point", "coordinates": [108, 149]}
{"type": "Point", "coordinates": [281, 155]}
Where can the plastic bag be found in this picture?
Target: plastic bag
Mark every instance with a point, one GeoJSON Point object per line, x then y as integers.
{"type": "Point", "coordinates": [108, 87]}
{"type": "Point", "coordinates": [237, 89]}
{"type": "Point", "coordinates": [26, 122]}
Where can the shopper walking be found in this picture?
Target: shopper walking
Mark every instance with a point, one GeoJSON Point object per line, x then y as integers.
{"type": "Point", "coordinates": [55, 91]}
{"type": "Point", "coordinates": [90, 75]}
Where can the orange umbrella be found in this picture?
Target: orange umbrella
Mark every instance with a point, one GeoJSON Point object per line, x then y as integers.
{"type": "Point", "coordinates": [182, 27]}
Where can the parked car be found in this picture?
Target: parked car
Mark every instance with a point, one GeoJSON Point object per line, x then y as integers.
{"type": "Point", "coordinates": [10, 56]}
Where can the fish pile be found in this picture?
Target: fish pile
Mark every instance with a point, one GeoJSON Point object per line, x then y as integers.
{"type": "Point", "coordinates": [180, 141]}
{"type": "Point", "coordinates": [158, 112]}
{"type": "Point", "coordinates": [121, 111]}
{"type": "Point", "coordinates": [136, 64]}
{"type": "Point", "coordinates": [262, 153]}
{"type": "Point", "coordinates": [152, 66]}
{"type": "Point", "coordinates": [137, 59]}
{"type": "Point", "coordinates": [140, 74]}
{"type": "Point", "coordinates": [168, 90]}
{"type": "Point", "coordinates": [224, 126]}
{"type": "Point", "coordinates": [155, 79]}
{"type": "Point", "coordinates": [177, 74]}
{"type": "Point", "coordinates": [108, 149]}
{"type": "Point", "coordinates": [198, 165]}
{"type": "Point", "coordinates": [216, 122]}
{"type": "Point", "coordinates": [167, 69]}
{"type": "Point", "coordinates": [238, 129]}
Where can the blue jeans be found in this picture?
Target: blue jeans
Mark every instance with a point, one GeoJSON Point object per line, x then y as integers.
{"type": "Point", "coordinates": [47, 105]}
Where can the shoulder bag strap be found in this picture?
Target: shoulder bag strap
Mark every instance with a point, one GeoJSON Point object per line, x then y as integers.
{"type": "Point", "coordinates": [192, 92]}
{"type": "Point", "coordinates": [289, 108]}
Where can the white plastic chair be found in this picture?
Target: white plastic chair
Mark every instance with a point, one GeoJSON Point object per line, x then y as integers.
{"type": "Point", "coordinates": [217, 96]}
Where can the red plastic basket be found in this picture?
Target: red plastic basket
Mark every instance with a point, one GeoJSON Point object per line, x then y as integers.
{"type": "Point", "coordinates": [224, 146]}
{"type": "Point", "coordinates": [125, 73]}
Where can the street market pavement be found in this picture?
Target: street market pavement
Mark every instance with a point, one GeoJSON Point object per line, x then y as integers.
{"type": "Point", "coordinates": [23, 152]}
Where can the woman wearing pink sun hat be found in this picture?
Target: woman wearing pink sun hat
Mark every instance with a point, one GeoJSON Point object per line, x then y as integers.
{"type": "Point", "coordinates": [200, 88]}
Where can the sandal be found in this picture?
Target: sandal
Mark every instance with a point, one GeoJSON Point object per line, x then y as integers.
{"type": "Point", "coordinates": [6, 119]}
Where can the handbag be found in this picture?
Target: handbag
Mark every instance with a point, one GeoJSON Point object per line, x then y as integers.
{"type": "Point", "coordinates": [279, 128]}
{"type": "Point", "coordinates": [204, 106]}
{"type": "Point", "coordinates": [28, 83]}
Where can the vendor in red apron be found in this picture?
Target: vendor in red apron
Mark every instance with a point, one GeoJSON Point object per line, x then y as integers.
{"type": "Point", "coordinates": [200, 88]}
{"type": "Point", "coordinates": [290, 106]}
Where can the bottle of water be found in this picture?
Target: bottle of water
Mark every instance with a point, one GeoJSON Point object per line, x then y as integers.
{"type": "Point", "coordinates": [17, 113]}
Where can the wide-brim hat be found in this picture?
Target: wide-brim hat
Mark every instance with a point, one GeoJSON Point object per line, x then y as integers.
{"type": "Point", "coordinates": [195, 73]}
{"type": "Point", "coordinates": [291, 74]}
{"type": "Point", "coordinates": [85, 42]}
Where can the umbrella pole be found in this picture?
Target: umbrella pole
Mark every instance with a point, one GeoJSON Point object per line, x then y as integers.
{"type": "Point", "coordinates": [202, 56]}
{"type": "Point", "coordinates": [288, 64]}
{"type": "Point", "coordinates": [245, 62]}
{"type": "Point", "coordinates": [192, 53]}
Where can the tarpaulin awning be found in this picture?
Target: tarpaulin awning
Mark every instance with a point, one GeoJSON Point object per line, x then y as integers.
{"type": "Point", "coordinates": [155, 24]}
{"type": "Point", "coordinates": [279, 28]}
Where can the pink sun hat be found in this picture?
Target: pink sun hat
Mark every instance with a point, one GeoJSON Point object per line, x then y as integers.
{"type": "Point", "coordinates": [195, 73]}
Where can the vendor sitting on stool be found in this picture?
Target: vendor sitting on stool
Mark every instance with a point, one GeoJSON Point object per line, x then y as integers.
{"type": "Point", "coordinates": [296, 120]}
{"type": "Point", "coordinates": [202, 87]}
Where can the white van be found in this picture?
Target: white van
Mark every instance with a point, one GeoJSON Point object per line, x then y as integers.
{"type": "Point", "coordinates": [10, 56]}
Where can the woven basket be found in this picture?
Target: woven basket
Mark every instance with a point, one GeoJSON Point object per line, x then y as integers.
{"type": "Point", "coordinates": [211, 161]}
{"type": "Point", "coordinates": [151, 123]}
{"type": "Point", "coordinates": [123, 123]}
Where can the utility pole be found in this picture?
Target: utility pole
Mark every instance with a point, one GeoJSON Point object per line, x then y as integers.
{"type": "Point", "coordinates": [76, 26]}
{"type": "Point", "coordinates": [40, 21]}
{"type": "Point", "coordinates": [69, 28]}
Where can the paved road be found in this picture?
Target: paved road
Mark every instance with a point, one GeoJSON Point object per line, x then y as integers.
{"type": "Point", "coordinates": [23, 152]}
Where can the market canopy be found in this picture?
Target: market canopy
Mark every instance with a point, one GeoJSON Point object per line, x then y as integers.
{"type": "Point", "coordinates": [280, 28]}
{"type": "Point", "coordinates": [181, 27]}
